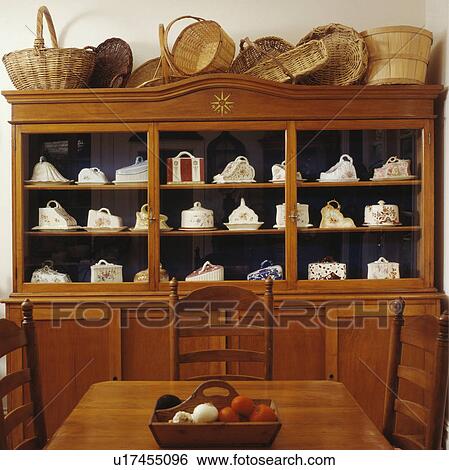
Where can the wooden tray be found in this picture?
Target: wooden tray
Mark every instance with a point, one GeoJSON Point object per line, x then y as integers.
{"type": "Point", "coordinates": [213, 435]}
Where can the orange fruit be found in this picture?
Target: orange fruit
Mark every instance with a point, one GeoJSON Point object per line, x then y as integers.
{"type": "Point", "coordinates": [242, 405]}
{"type": "Point", "coordinates": [228, 415]}
{"type": "Point", "coordinates": [263, 413]}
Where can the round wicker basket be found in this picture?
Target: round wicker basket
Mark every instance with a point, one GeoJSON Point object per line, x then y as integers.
{"type": "Point", "coordinates": [348, 56]}
{"type": "Point", "coordinates": [52, 68]}
{"type": "Point", "coordinates": [397, 54]}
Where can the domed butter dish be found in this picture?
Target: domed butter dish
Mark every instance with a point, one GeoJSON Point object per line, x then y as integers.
{"type": "Point", "coordinates": [207, 272]}
{"type": "Point", "coordinates": [106, 272]}
{"type": "Point", "coordinates": [393, 169]}
{"type": "Point", "coordinates": [53, 217]}
{"type": "Point", "coordinates": [135, 173]}
{"type": "Point", "coordinates": [326, 270]}
{"type": "Point", "coordinates": [47, 274]}
{"type": "Point", "coordinates": [46, 173]}
{"type": "Point", "coordinates": [92, 176]}
{"type": "Point", "coordinates": [238, 171]}
{"type": "Point", "coordinates": [197, 218]}
{"type": "Point", "coordinates": [267, 269]}
{"type": "Point", "coordinates": [342, 171]}
{"type": "Point", "coordinates": [103, 220]}
{"type": "Point", "coordinates": [331, 216]}
{"type": "Point", "coordinates": [243, 218]}
{"type": "Point", "coordinates": [383, 269]}
{"type": "Point", "coordinates": [278, 173]}
{"type": "Point", "coordinates": [185, 168]}
{"type": "Point", "coordinates": [381, 214]}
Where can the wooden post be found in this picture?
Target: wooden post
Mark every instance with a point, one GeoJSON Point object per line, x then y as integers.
{"type": "Point", "coordinates": [394, 358]}
{"type": "Point", "coordinates": [268, 327]}
{"type": "Point", "coordinates": [174, 342]}
{"type": "Point", "coordinates": [33, 365]}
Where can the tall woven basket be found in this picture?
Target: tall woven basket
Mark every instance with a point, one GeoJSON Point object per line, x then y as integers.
{"type": "Point", "coordinates": [49, 68]}
{"type": "Point", "coordinates": [397, 54]}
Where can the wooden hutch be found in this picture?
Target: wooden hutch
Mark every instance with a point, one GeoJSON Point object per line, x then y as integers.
{"type": "Point", "coordinates": [337, 330]}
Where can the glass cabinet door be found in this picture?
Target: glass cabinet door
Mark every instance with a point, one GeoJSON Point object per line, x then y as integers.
{"type": "Point", "coordinates": [78, 210]}
{"type": "Point", "coordinates": [218, 205]}
{"type": "Point", "coordinates": [364, 208]}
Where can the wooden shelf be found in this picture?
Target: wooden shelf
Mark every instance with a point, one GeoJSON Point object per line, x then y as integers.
{"type": "Point", "coordinates": [386, 228]}
{"type": "Point", "coordinates": [220, 232]}
{"type": "Point", "coordinates": [224, 185]}
{"type": "Point", "coordinates": [85, 187]}
{"type": "Point", "coordinates": [333, 184]}
{"type": "Point", "coordinates": [81, 233]}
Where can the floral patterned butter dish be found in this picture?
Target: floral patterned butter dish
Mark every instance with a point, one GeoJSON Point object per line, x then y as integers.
{"type": "Point", "coordinates": [344, 170]}
{"type": "Point", "coordinates": [185, 168]}
{"type": "Point", "coordinates": [267, 269]}
{"type": "Point", "coordinates": [197, 218]}
{"type": "Point", "coordinates": [141, 219]}
{"type": "Point", "coordinates": [106, 272]}
{"type": "Point", "coordinates": [382, 214]}
{"type": "Point", "coordinates": [45, 173]}
{"type": "Point", "coordinates": [301, 215]}
{"type": "Point", "coordinates": [383, 269]}
{"type": "Point", "coordinates": [135, 173]}
{"type": "Point", "coordinates": [394, 168]}
{"type": "Point", "coordinates": [46, 274]}
{"type": "Point", "coordinates": [331, 216]}
{"type": "Point", "coordinates": [144, 276]}
{"type": "Point", "coordinates": [326, 270]}
{"type": "Point", "coordinates": [54, 217]}
{"type": "Point", "coordinates": [103, 220]}
{"type": "Point", "coordinates": [92, 176]}
{"type": "Point", "coordinates": [238, 171]}
{"type": "Point", "coordinates": [243, 218]}
{"type": "Point", "coordinates": [207, 272]}
{"type": "Point", "coordinates": [278, 173]}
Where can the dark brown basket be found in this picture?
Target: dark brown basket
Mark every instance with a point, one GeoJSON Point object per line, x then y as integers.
{"type": "Point", "coordinates": [113, 64]}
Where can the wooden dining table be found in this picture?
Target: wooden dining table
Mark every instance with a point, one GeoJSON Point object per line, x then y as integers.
{"type": "Point", "coordinates": [314, 415]}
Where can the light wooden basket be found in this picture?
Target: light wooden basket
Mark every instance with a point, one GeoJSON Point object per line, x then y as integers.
{"type": "Point", "coordinates": [49, 68]}
{"type": "Point", "coordinates": [397, 54]}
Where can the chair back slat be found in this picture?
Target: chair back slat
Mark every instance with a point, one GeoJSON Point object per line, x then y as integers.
{"type": "Point", "coordinates": [18, 416]}
{"type": "Point", "coordinates": [413, 375]}
{"type": "Point", "coordinates": [406, 442]}
{"type": "Point", "coordinates": [10, 382]}
{"type": "Point", "coordinates": [420, 332]}
{"type": "Point", "coordinates": [220, 355]}
{"type": "Point", "coordinates": [413, 410]}
{"type": "Point", "coordinates": [221, 331]}
{"type": "Point", "coordinates": [11, 337]}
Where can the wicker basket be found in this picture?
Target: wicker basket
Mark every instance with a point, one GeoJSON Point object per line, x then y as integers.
{"type": "Point", "coordinates": [348, 56]}
{"type": "Point", "coordinates": [202, 47]}
{"type": "Point", "coordinates": [291, 65]}
{"type": "Point", "coordinates": [397, 54]}
{"type": "Point", "coordinates": [53, 68]}
{"type": "Point", "coordinates": [249, 56]}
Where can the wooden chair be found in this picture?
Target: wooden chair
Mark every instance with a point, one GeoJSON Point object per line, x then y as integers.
{"type": "Point", "coordinates": [429, 335]}
{"type": "Point", "coordinates": [28, 415]}
{"type": "Point", "coordinates": [209, 304]}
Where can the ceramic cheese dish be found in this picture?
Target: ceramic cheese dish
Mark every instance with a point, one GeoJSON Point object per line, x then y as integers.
{"type": "Point", "coordinates": [331, 216]}
{"type": "Point", "coordinates": [238, 171]}
{"type": "Point", "coordinates": [185, 168]}
{"type": "Point", "coordinates": [46, 274]}
{"type": "Point", "coordinates": [383, 269]}
{"type": "Point", "coordinates": [135, 173]}
{"type": "Point", "coordinates": [302, 216]}
{"type": "Point", "coordinates": [106, 272]}
{"type": "Point", "coordinates": [326, 270]}
{"type": "Point", "coordinates": [207, 272]}
{"type": "Point", "coordinates": [144, 276]}
{"type": "Point", "coordinates": [278, 173]}
{"type": "Point", "coordinates": [92, 176]}
{"type": "Point", "coordinates": [267, 269]}
{"type": "Point", "coordinates": [54, 217]}
{"type": "Point", "coordinates": [243, 218]}
{"type": "Point", "coordinates": [163, 225]}
{"type": "Point", "coordinates": [45, 172]}
{"type": "Point", "coordinates": [141, 219]}
{"type": "Point", "coordinates": [197, 218]}
{"type": "Point", "coordinates": [382, 214]}
{"type": "Point", "coordinates": [102, 219]}
{"type": "Point", "coordinates": [393, 168]}
{"type": "Point", "coordinates": [344, 170]}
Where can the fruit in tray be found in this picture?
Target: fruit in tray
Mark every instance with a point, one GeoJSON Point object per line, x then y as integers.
{"type": "Point", "coordinates": [262, 413]}
{"type": "Point", "coordinates": [228, 415]}
{"type": "Point", "coordinates": [244, 406]}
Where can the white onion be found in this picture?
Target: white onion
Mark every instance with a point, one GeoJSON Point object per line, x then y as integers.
{"type": "Point", "coordinates": [205, 413]}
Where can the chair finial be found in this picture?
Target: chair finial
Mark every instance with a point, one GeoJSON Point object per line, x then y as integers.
{"type": "Point", "coordinates": [27, 311]}
{"type": "Point", "coordinates": [397, 308]}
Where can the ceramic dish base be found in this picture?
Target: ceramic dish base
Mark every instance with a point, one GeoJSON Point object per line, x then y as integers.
{"type": "Point", "coordinates": [199, 229]}
{"type": "Point", "coordinates": [104, 229]}
{"type": "Point", "coordinates": [342, 180]}
{"type": "Point", "coordinates": [141, 230]}
{"type": "Point", "coordinates": [93, 183]}
{"type": "Point", "coordinates": [169, 229]}
{"type": "Point", "coordinates": [50, 183]}
{"type": "Point", "coordinates": [283, 181]}
{"type": "Point", "coordinates": [235, 182]}
{"type": "Point", "coordinates": [305, 226]}
{"type": "Point", "coordinates": [255, 226]}
{"type": "Point", "coordinates": [382, 225]}
{"type": "Point", "coordinates": [279, 227]}
{"type": "Point", "coordinates": [53, 229]}
{"type": "Point", "coordinates": [395, 178]}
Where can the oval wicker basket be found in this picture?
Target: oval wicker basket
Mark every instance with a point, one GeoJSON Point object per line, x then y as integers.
{"type": "Point", "coordinates": [397, 54]}
{"type": "Point", "coordinates": [348, 56]}
{"type": "Point", "coordinates": [249, 56]}
{"type": "Point", "coordinates": [52, 68]}
{"type": "Point", "coordinates": [202, 47]}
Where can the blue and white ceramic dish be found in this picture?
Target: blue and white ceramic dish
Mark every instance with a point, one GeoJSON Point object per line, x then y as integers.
{"type": "Point", "coordinates": [266, 270]}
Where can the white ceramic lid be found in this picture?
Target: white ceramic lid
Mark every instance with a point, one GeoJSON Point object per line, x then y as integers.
{"type": "Point", "coordinates": [243, 214]}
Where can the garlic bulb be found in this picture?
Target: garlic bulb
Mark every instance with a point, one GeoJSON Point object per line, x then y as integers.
{"type": "Point", "coordinates": [182, 417]}
{"type": "Point", "coordinates": [205, 413]}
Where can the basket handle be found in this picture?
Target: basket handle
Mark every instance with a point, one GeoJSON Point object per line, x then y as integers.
{"type": "Point", "coordinates": [39, 41]}
{"type": "Point", "coordinates": [199, 391]}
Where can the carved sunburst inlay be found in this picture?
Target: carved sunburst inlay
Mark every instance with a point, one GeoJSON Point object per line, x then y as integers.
{"type": "Point", "coordinates": [222, 104]}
